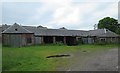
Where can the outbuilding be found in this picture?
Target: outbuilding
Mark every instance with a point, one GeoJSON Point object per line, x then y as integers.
{"type": "Point", "coordinates": [17, 36]}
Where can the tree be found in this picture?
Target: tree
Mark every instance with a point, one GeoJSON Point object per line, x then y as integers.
{"type": "Point", "coordinates": [118, 29]}
{"type": "Point", "coordinates": [109, 23]}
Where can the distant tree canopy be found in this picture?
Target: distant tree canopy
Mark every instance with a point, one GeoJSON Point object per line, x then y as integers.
{"type": "Point", "coordinates": [62, 28]}
{"type": "Point", "coordinates": [109, 23]}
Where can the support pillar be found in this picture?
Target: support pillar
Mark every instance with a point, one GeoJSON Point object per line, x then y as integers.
{"type": "Point", "coordinates": [77, 38]}
{"type": "Point", "coordinates": [111, 40]}
{"type": "Point", "coordinates": [64, 40]}
{"type": "Point", "coordinates": [54, 39]}
{"type": "Point", "coordinates": [42, 40]}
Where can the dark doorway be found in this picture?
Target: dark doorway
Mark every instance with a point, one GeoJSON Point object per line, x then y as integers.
{"type": "Point", "coordinates": [59, 39]}
{"type": "Point", "coordinates": [48, 39]}
{"type": "Point", "coordinates": [29, 40]}
{"type": "Point", "coordinates": [71, 40]}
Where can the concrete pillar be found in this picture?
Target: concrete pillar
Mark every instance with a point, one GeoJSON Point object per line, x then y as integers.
{"type": "Point", "coordinates": [42, 40]}
{"type": "Point", "coordinates": [111, 40]}
{"type": "Point", "coordinates": [94, 39]}
{"type": "Point", "coordinates": [77, 38]}
{"type": "Point", "coordinates": [64, 40]}
{"type": "Point", "coordinates": [54, 39]}
{"type": "Point", "coordinates": [33, 40]}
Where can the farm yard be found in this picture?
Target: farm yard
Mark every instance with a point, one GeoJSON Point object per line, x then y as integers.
{"type": "Point", "coordinates": [64, 35]}
{"type": "Point", "coordinates": [81, 57]}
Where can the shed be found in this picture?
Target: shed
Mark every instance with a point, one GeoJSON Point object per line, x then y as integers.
{"type": "Point", "coordinates": [17, 36]}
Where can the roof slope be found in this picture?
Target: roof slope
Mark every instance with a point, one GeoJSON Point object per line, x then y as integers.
{"type": "Point", "coordinates": [5, 26]}
{"type": "Point", "coordinates": [55, 32]}
{"type": "Point", "coordinates": [16, 29]}
{"type": "Point", "coordinates": [59, 32]}
{"type": "Point", "coordinates": [102, 33]}
{"type": "Point", "coordinates": [38, 31]}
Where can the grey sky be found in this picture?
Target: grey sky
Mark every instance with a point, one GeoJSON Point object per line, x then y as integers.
{"type": "Point", "coordinates": [58, 13]}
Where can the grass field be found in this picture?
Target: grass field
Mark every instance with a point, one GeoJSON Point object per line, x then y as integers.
{"type": "Point", "coordinates": [0, 57]}
{"type": "Point", "coordinates": [33, 58]}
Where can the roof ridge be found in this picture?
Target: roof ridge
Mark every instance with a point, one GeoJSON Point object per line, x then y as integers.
{"type": "Point", "coordinates": [14, 26]}
{"type": "Point", "coordinates": [24, 28]}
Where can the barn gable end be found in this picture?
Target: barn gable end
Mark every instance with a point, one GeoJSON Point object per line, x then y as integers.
{"type": "Point", "coordinates": [17, 36]}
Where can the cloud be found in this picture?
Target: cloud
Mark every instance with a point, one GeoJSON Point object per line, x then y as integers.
{"type": "Point", "coordinates": [102, 10]}
{"type": "Point", "coordinates": [73, 14]}
{"type": "Point", "coordinates": [49, 1]}
{"type": "Point", "coordinates": [0, 13]}
{"type": "Point", "coordinates": [66, 15]}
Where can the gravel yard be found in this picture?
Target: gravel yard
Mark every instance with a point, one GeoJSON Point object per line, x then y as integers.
{"type": "Point", "coordinates": [104, 60]}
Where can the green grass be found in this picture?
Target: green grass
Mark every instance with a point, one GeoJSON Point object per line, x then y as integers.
{"type": "Point", "coordinates": [0, 57]}
{"type": "Point", "coordinates": [33, 58]}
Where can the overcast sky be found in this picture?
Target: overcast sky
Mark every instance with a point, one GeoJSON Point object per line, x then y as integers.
{"type": "Point", "coordinates": [72, 14]}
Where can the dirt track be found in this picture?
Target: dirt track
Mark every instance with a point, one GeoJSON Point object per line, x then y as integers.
{"type": "Point", "coordinates": [105, 60]}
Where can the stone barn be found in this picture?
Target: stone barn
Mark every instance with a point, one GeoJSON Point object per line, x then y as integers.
{"type": "Point", "coordinates": [104, 36]}
{"type": "Point", "coordinates": [48, 36]}
{"type": "Point", "coordinates": [17, 36]}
